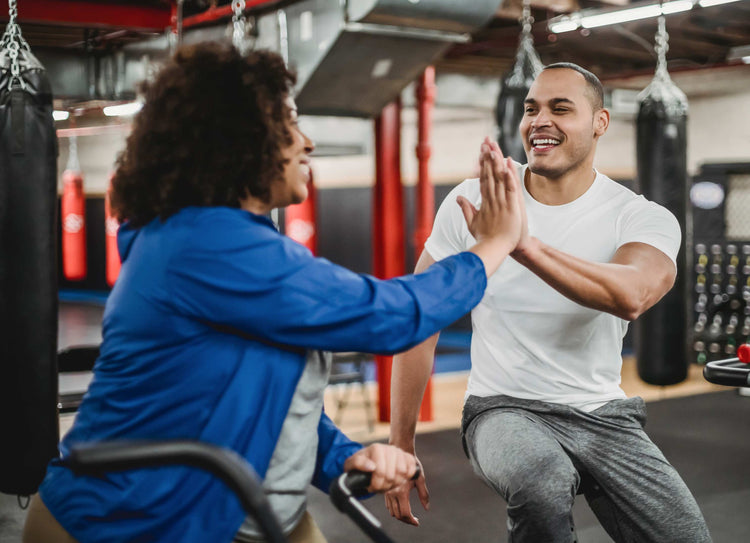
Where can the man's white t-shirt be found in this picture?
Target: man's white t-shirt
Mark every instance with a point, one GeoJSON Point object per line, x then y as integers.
{"type": "Point", "coordinates": [529, 341]}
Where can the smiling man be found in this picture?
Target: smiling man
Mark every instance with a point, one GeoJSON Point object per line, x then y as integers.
{"type": "Point", "coordinates": [544, 410]}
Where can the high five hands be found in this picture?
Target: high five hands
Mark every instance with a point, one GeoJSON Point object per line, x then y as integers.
{"type": "Point", "coordinates": [499, 225]}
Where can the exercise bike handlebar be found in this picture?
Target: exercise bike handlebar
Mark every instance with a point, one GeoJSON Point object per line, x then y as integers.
{"type": "Point", "coordinates": [729, 372]}
{"type": "Point", "coordinates": [344, 492]}
{"type": "Point", "coordinates": [231, 468]}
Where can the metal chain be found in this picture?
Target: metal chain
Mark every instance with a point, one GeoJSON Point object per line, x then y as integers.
{"type": "Point", "coordinates": [527, 59]}
{"type": "Point", "coordinates": [238, 24]}
{"type": "Point", "coordinates": [14, 42]}
{"type": "Point", "coordinates": [526, 19]}
{"type": "Point", "coordinates": [526, 41]}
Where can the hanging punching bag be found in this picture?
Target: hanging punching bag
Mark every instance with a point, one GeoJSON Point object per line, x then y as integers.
{"type": "Point", "coordinates": [73, 211]}
{"type": "Point", "coordinates": [112, 256]}
{"type": "Point", "coordinates": [661, 144]}
{"type": "Point", "coordinates": [28, 267]}
{"type": "Point", "coordinates": [513, 90]}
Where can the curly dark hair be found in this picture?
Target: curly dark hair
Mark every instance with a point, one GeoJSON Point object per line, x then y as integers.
{"type": "Point", "coordinates": [211, 132]}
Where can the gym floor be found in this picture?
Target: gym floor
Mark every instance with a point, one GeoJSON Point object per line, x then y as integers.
{"type": "Point", "coordinates": [702, 428]}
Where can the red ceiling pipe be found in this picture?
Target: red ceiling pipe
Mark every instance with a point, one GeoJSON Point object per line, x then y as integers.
{"type": "Point", "coordinates": [425, 201]}
{"type": "Point", "coordinates": [388, 225]}
{"type": "Point", "coordinates": [218, 13]}
{"type": "Point", "coordinates": [93, 14]}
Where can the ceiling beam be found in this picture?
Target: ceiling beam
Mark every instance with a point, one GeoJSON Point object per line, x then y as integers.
{"type": "Point", "coordinates": [217, 13]}
{"type": "Point", "coordinates": [511, 9]}
{"type": "Point", "coordinates": [93, 14]}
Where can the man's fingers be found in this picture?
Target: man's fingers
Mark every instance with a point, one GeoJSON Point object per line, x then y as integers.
{"type": "Point", "coordinates": [512, 174]}
{"type": "Point", "coordinates": [391, 504]}
{"type": "Point", "coordinates": [468, 210]}
{"type": "Point", "coordinates": [397, 502]}
{"type": "Point", "coordinates": [424, 494]}
{"type": "Point", "coordinates": [404, 511]}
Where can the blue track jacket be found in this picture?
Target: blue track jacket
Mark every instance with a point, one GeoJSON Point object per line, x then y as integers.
{"type": "Point", "coordinates": [204, 336]}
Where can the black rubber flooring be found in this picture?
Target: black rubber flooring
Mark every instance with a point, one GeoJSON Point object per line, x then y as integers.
{"type": "Point", "coordinates": [706, 437]}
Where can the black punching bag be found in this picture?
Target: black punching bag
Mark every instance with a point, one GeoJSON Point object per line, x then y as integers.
{"type": "Point", "coordinates": [661, 144]}
{"type": "Point", "coordinates": [28, 268]}
{"type": "Point", "coordinates": [513, 90]}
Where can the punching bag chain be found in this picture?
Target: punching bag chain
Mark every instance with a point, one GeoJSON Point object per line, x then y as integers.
{"type": "Point", "coordinates": [526, 19]}
{"type": "Point", "coordinates": [14, 42]}
{"type": "Point", "coordinates": [527, 59]}
{"type": "Point", "coordinates": [515, 86]}
{"type": "Point", "coordinates": [661, 47]}
{"type": "Point", "coordinates": [238, 24]}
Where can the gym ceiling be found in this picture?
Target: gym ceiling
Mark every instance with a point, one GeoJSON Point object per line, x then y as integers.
{"type": "Point", "coordinates": [699, 38]}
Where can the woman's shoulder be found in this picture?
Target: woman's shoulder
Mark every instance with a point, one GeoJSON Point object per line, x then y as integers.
{"type": "Point", "coordinates": [216, 229]}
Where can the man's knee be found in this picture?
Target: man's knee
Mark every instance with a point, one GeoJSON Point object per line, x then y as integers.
{"type": "Point", "coordinates": [550, 494]}
{"type": "Point", "coordinates": [542, 511]}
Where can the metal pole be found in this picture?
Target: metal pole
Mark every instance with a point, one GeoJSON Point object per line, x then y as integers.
{"type": "Point", "coordinates": [388, 225]}
{"type": "Point", "coordinates": [425, 197]}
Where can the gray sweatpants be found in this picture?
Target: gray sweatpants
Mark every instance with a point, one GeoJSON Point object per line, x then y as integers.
{"type": "Point", "coordinates": [534, 454]}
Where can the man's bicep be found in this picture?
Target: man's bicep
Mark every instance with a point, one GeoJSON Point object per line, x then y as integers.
{"type": "Point", "coordinates": [654, 267]}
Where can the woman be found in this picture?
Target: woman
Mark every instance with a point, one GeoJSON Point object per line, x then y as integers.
{"type": "Point", "coordinates": [212, 329]}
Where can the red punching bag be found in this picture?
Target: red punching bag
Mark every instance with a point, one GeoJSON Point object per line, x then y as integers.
{"type": "Point", "coordinates": [299, 220]}
{"type": "Point", "coordinates": [73, 211]}
{"type": "Point", "coordinates": [110, 239]}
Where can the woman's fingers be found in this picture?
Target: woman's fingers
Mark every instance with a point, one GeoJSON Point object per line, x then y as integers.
{"type": "Point", "coordinates": [486, 180]}
{"type": "Point", "coordinates": [389, 465]}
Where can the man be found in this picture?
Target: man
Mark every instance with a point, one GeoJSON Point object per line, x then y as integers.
{"type": "Point", "coordinates": [544, 407]}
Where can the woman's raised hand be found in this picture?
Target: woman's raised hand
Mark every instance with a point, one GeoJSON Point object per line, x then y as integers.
{"type": "Point", "coordinates": [498, 223]}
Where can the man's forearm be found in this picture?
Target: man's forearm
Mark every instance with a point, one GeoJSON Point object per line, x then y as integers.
{"type": "Point", "coordinates": [411, 372]}
{"type": "Point", "coordinates": [636, 278]}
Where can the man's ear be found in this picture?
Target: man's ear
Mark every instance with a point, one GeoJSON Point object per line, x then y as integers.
{"type": "Point", "coordinates": [601, 122]}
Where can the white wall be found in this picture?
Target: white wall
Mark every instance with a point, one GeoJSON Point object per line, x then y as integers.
{"type": "Point", "coordinates": [718, 131]}
{"type": "Point", "coordinates": [718, 122]}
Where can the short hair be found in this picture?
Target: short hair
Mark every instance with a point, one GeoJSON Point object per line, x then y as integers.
{"type": "Point", "coordinates": [596, 90]}
{"type": "Point", "coordinates": [212, 130]}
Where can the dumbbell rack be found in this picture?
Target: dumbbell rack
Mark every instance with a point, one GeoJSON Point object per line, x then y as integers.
{"type": "Point", "coordinates": [721, 292]}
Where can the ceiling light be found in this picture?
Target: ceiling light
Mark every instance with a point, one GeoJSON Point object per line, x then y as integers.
{"type": "Point", "coordinates": [709, 3]}
{"type": "Point", "coordinates": [121, 110]}
{"type": "Point", "coordinates": [739, 52]}
{"type": "Point", "coordinates": [620, 16]}
{"type": "Point", "coordinates": [596, 18]}
{"type": "Point", "coordinates": [676, 7]}
{"type": "Point", "coordinates": [59, 115]}
{"type": "Point", "coordinates": [564, 24]}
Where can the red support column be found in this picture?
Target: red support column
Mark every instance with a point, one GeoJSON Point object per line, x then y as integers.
{"type": "Point", "coordinates": [388, 225]}
{"type": "Point", "coordinates": [425, 197]}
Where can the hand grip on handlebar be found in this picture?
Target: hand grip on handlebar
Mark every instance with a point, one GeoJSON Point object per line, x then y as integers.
{"type": "Point", "coordinates": [344, 493]}
{"type": "Point", "coordinates": [358, 481]}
